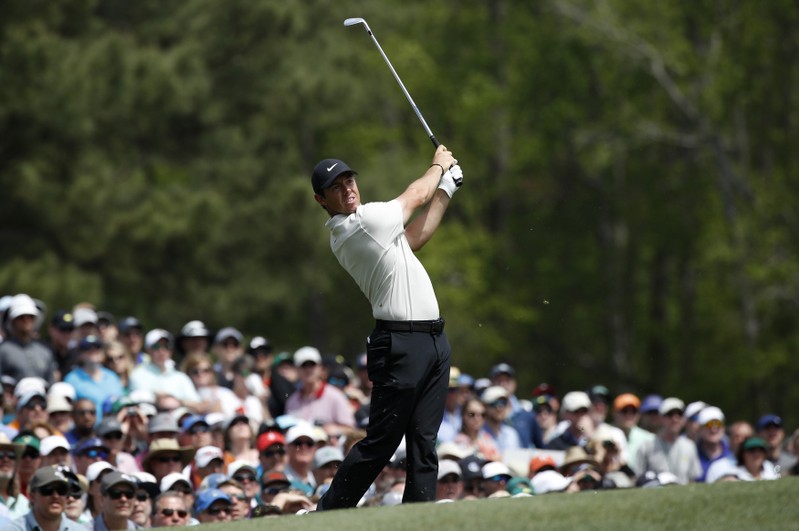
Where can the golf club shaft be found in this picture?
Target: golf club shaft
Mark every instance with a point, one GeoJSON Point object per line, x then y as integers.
{"type": "Point", "coordinates": [350, 22]}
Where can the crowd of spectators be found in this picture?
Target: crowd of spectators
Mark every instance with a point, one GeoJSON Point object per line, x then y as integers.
{"type": "Point", "coordinates": [109, 425]}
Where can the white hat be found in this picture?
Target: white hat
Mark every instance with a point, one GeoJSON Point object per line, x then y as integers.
{"type": "Point", "coordinates": [58, 404]}
{"type": "Point", "coordinates": [95, 469]}
{"type": "Point", "coordinates": [62, 390]}
{"type": "Point", "coordinates": [493, 393]}
{"type": "Point", "coordinates": [228, 332]}
{"type": "Point", "coordinates": [233, 467]}
{"type": "Point", "coordinates": [23, 304]}
{"type": "Point", "coordinates": [30, 384]}
{"type": "Point", "coordinates": [325, 455]}
{"type": "Point", "coordinates": [495, 468]}
{"type": "Point", "coordinates": [142, 396]}
{"type": "Point", "coordinates": [195, 329]}
{"type": "Point", "coordinates": [576, 400]}
{"type": "Point", "coordinates": [305, 354]}
{"type": "Point", "coordinates": [168, 481]}
{"type": "Point", "coordinates": [453, 449]}
{"type": "Point", "coordinates": [670, 404]}
{"type": "Point", "coordinates": [156, 335]}
{"type": "Point", "coordinates": [52, 442]}
{"type": "Point", "coordinates": [721, 469]}
{"type": "Point", "coordinates": [206, 454]}
{"type": "Point", "coordinates": [84, 316]}
{"type": "Point", "coordinates": [448, 466]}
{"type": "Point", "coordinates": [549, 481]}
{"type": "Point", "coordinates": [694, 408]}
{"type": "Point", "coordinates": [215, 418]}
{"type": "Point", "coordinates": [144, 477]}
{"type": "Point", "coordinates": [708, 414]}
{"type": "Point", "coordinates": [301, 429]}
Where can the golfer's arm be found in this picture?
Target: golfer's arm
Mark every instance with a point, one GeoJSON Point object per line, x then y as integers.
{"type": "Point", "coordinates": [421, 229]}
{"type": "Point", "coordinates": [419, 192]}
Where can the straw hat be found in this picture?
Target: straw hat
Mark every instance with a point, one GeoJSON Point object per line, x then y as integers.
{"type": "Point", "coordinates": [167, 446]}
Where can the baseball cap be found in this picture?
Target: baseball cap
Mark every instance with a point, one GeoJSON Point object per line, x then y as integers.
{"type": "Point", "coordinates": [549, 481]}
{"type": "Point", "coordinates": [207, 497]}
{"type": "Point", "coordinates": [493, 393]}
{"type": "Point", "coordinates": [63, 320]}
{"type": "Point", "coordinates": [191, 421]}
{"type": "Point", "coordinates": [126, 323]}
{"type": "Point", "coordinates": [651, 403]}
{"type": "Point", "coordinates": [693, 409]}
{"type": "Point", "coordinates": [154, 336]}
{"type": "Point", "coordinates": [61, 390]}
{"type": "Point", "coordinates": [105, 318]}
{"type": "Point", "coordinates": [195, 329]}
{"type": "Point", "coordinates": [109, 425]}
{"type": "Point", "coordinates": [25, 399]}
{"type": "Point", "coordinates": [116, 478]}
{"type": "Point", "coordinates": [84, 316]}
{"type": "Point", "coordinates": [544, 389]}
{"type": "Point", "coordinates": [502, 368]}
{"type": "Point", "coordinates": [147, 481]}
{"type": "Point", "coordinates": [471, 467]}
{"type": "Point", "coordinates": [23, 304]}
{"type": "Point", "coordinates": [306, 354]}
{"type": "Point", "coordinates": [28, 440]}
{"type": "Point", "coordinates": [576, 400]}
{"type": "Point", "coordinates": [94, 470]}
{"type": "Point", "coordinates": [217, 480]}
{"type": "Point", "coordinates": [170, 480]}
{"type": "Point", "coordinates": [670, 404]}
{"type": "Point", "coordinates": [519, 486]}
{"type": "Point", "coordinates": [270, 478]}
{"type": "Point", "coordinates": [48, 444]}
{"type": "Point", "coordinates": [767, 420]}
{"type": "Point", "coordinates": [259, 342]}
{"type": "Point", "coordinates": [541, 462]}
{"type": "Point", "coordinates": [45, 476]}
{"type": "Point", "coordinates": [206, 454]}
{"type": "Point", "coordinates": [88, 444]}
{"type": "Point", "coordinates": [626, 400]}
{"type": "Point", "coordinates": [754, 442]}
{"type": "Point", "coordinates": [301, 429]}
{"type": "Point", "coordinates": [228, 333]}
{"type": "Point", "coordinates": [58, 404]}
{"type": "Point", "coordinates": [599, 393]}
{"type": "Point", "coordinates": [326, 455]}
{"type": "Point", "coordinates": [495, 468]}
{"type": "Point", "coordinates": [28, 384]}
{"type": "Point", "coordinates": [238, 465]}
{"type": "Point", "coordinates": [163, 422]}
{"type": "Point", "coordinates": [268, 438]}
{"type": "Point", "coordinates": [708, 414]}
{"type": "Point", "coordinates": [326, 171]}
{"type": "Point", "coordinates": [89, 343]}
{"type": "Point", "coordinates": [448, 466]}
{"type": "Point", "coordinates": [451, 449]}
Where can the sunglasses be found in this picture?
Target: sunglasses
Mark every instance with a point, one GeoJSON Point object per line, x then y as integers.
{"type": "Point", "coordinates": [305, 443]}
{"type": "Point", "coordinates": [74, 491]}
{"type": "Point", "coordinates": [36, 404]}
{"type": "Point", "coordinates": [168, 459]}
{"type": "Point", "coordinates": [8, 455]}
{"type": "Point", "coordinates": [213, 511]}
{"type": "Point", "coordinates": [272, 453]}
{"type": "Point", "coordinates": [114, 435]}
{"type": "Point", "coordinates": [169, 512]}
{"type": "Point", "coordinates": [629, 411]}
{"type": "Point", "coordinates": [48, 490]}
{"type": "Point", "coordinates": [88, 412]}
{"type": "Point", "coordinates": [31, 454]}
{"type": "Point", "coordinates": [714, 424]}
{"type": "Point", "coordinates": [274, 490]}
{"type": "Point", "coordinates": [244, 478]}
{"type": "Point", "coordinates": [142, 496]}
{"type": "Point", "coordinates": [95, 454]}
{"type": "Point", "coordinates": [201, 428]}
{"type": "Point", "coordinates": [117, 494]}
{"type": "Point", "coordinates": [499, 403]}
{"type": "Point", "coordinates": [200, 370]}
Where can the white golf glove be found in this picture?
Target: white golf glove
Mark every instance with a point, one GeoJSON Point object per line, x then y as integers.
{"type": "Point", "coordinates": [451, 180]}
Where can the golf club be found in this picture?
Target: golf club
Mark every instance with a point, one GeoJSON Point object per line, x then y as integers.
{"type": "Point", "coordinates": [358, 20]}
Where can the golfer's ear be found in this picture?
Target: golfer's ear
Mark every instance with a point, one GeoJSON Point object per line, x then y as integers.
{"type": "Point", "coordinates": [321, 200]}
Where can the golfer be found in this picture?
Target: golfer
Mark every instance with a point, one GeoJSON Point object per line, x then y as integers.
{"type": "Point", "coordinates": [407, 352]}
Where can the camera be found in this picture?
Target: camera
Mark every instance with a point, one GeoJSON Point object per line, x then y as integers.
{"type": "Point", "coordinates": [132, 411]}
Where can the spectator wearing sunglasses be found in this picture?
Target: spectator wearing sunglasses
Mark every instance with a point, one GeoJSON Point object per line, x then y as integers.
{"type": "Point", "coordinates": [166, 457]}
{"type": "Point", "coordinates": [47, 494]}
{"type": "Point", "coordinates": [90, 378]}
{"type": "Point", "coordinates": [208, 460]}
{"type": "Point", "coordinates": [272, 484]}
{"type": "Point", "coordinates": [497, 413]}
{"type": "Point", "coordinates": [31, 409]}
{"type": "Point", "coordinates": [110, 432]}
{"type": "Point", "coordinates": [10, 453]}
{"type": "Point", "coordinates": [146, 491]}
{"type": "Point", "coordinates": [30, 460]}
{"type": "Point", "coordinates": [94, 475]}
{"type": "Point", "coordinates": [170, 510]}
{"type": "Point", "coordinates": [300, 447]}
{"type": "Point", "coordinates": [117, 497]}
{"type": "Point", "coordinates": [245, 474]}
{"type": "Point", "coordinates": [212, 505]}
{"type": "Point", "coordinates": [195, 432]}
{"type": "Point", "coordinates": [177, 482]}
{"type": "Point", "coordinates": [84, 418]}
{"type": "Point", "coordinates": [579, 424]}
{"type": "Point", "coordinates": [710, 443]}
{"type": "Point", "coordinates": [271, 447]}
{"type": "Point", "coordinates": [88, 451]}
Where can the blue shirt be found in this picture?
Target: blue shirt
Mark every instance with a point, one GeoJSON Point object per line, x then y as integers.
{"type": "Point", "coordinates": [706, 461]}
{"type": "Point", "coordinates": [85, 387]}
{"type": "Point", "coordinates": [29, 523]}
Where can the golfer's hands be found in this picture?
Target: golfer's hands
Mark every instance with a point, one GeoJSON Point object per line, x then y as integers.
{"type": "Point", "coordinates": [444, 158]}
{"type": "Point", "coordinates": [451, 180]}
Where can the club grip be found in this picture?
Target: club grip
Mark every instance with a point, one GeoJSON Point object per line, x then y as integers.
{"type": "Point", "coordinates": [436, 143]}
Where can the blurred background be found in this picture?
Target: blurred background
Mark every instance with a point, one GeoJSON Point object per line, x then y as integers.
{"type": "Point", "coordinates": [629, 213]}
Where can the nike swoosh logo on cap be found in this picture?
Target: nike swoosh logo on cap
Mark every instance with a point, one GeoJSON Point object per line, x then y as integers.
{"type": "Point", "coordinates": [333, 166]}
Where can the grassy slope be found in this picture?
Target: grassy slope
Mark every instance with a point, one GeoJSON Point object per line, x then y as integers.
{"type": "Point", "coordinates": [730, 506]}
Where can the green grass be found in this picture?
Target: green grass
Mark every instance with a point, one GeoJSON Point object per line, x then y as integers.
{"type": "Point", "coordinates": [728, 506]}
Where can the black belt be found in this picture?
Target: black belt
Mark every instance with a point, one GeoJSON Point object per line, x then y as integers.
{"type": "Point", "coordinates": [428, 327]}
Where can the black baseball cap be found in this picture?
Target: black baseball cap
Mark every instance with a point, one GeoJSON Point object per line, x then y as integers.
{"type": "Point", "coordinates": [326, 172]}
{"type": "Point", "coordinates": [63, 320]}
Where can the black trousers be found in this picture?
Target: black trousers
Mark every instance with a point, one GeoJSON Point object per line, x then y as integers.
{"type": "Point", "coordinates": [410, 375]}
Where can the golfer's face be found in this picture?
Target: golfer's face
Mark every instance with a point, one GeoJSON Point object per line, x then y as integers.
{"type": "Point", "coordinates": [343, 196]}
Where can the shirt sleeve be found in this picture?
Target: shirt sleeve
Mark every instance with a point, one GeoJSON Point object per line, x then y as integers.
{"type": "Point", "coordinates": [382, 221]}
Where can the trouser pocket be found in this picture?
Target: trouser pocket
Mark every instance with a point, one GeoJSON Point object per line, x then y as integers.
{"type": "Point", "coordinates": [378, 350]}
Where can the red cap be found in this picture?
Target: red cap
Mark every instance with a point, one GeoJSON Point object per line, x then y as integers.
{"type": "Point", "coordinates": [540, 461]}
{"type": "Point", "coordinates": [268, 438]}
{"type": "Point", "coordinates": [274, 477]}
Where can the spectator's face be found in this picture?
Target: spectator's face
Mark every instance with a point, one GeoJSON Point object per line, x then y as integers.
{"type": "Point", "coordinates": [545, 415]}
{"type": "Point", "coordinates": [739, 432]}
{"type": "Point", "coordinates": [89, 456]}
{"type": "Point", "coordinates": [195, 344]}
{"type": "Point", "coordinates": [61, 420]}
{"type": "Point", "coordinates": [132, 339]}
{"type": "Point", "coordinates": [450, 487]}
{"type": "Point", "coordinates": [712, 431]}
{"type": "Point", "coordinates": [30, 461]}
{"type": "Point", "coordinates": [240, 430]}
{"type": "Point", "coordinates": [170, 512]}
{"type": "Point", "coordinates": [754, 459]}
{"type": "Point", "coordinates": [248, 480]}
{"type": "Point", "coordinates": [507, 381]}
{"type": "Point", "coordinates": [165, 463]}
{"type": "Point", "coordinates": [202, 374]}
{"type": "Point", "coordinates": [497, 410]}
{"type": "Point", "coordinates": [473, 416]}
{"type": "Point", "coordinates": [229, 350]}
{"type": "Point", "coordinates": [160, 353]}
{"type": "Point", "coordinates": [219, 511]}
{"type": "Point", "coordinates": [113, 441]}
{"type": "Point", "coordinates": [73, 502]}
{"type": "Point", "coordinates": [270, 490]}
{"type": "Point", "coordinates": [326, 471]}
{"type": "Point", "coordinates": [216, 466]}
{"type": "Point", "coordinates": [23, 326]}
{"type": "Point", "coordinates": [496, 484]}
{"type": "Point", "coordinates": [576, 416]}
{"type": "Point", "coordinates": [117, 359]}
{"type": "Point", "coordinates": [118, 501]}
{"type": "Point", "coordinates": [167, 403]}
{"type": "Point", "coordinates": [9, 400]}
{"type": "Point", "coordinates": [627, 417]}
{"type": "Point", "coordinates": [86, 330]}
{"type": "Point", "coordinates": [47, 501]}
{"type": "Point", "coordinates": [142, 508]}
{"type": "Point", "coordinates": [599, 410]}
{"type": "Point", "coordinates": [93, 356]}
{"type": "Point", "coordinates": [84, 415]}
{"type": "Point", "coordinates": [8, 463]}
{"type": "Point", "coordinates": [300, 452]}
{"type": "Point", "coordinates": [473, 487]}
{"type": "Point", "coordinates": [239, 509]}
{"type": "Point", "coordinates": [34, 411]}
{"type": "Point", "coordinates": [59, 456]}
{"type": "Point", "coordinates": [200, 435]}
{"type": "Point", "coordinates": [773, 435]}
{"type": "Point", "coordinates": [310, 372]}
{"type": "Point", "coordinates": [673, 421]}
{"type": "Point", "coordinates": [273, 458]}
{"type": "Point", "coordinates": [60, 338]}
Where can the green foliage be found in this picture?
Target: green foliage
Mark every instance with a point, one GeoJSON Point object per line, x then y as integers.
{"type": "Point", "coordinates": [627, 216]}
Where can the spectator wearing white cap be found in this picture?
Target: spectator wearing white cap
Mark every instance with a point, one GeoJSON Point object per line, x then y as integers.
{"type": "Point", "coordinates": [22, 354]}
{"type": "Point", "coordinates": [227, 348]}
{"type": "Point", "coordinates": [497, 411]}
{"type": "Point", "coordinates": [315, 400]}
{"type": "Point", "coordinates": [326, 461]}
{"type": "Point", "coordinates": [159, 374]}
{"type": "Point", "coordinates": [710, 443]}
{"type": "Point", "coordinates": [450, 481]}
{"type": "Point", "coordinates": [10, 497]}
{"type": "Point", "coordinates": [691, 428]}
{"type": "Point", "coordinates": [55, 451]}
{"type": "Point", "coordinates": [495, 479]}
{"type": "Point", "coordinates": [670, 451]}
{"type": "Point", "coordinates": [208, 460]}
{"type": "Point", "coordinates": [580, 427]}
{"type": "Point", "coordinates": [300, 447]}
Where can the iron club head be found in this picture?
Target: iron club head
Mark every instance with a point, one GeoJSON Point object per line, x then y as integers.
{"type": "Point", "coordinates": [354, 21]}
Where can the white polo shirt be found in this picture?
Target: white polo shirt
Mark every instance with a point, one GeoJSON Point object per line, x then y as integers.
{"type": "Point", "coordinates": [371, 245]}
